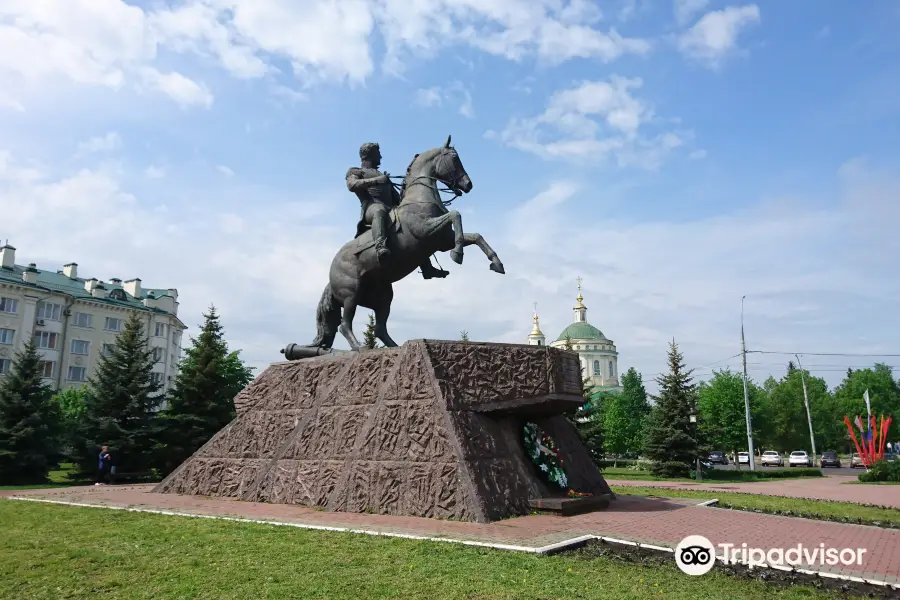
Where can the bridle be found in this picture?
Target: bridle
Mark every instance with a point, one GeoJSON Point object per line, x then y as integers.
{"type": "Point", "coordinates": [452, 184]}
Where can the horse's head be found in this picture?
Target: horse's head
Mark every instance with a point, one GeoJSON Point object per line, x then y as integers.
{"type": "Point", "coordinates": [448, 169]}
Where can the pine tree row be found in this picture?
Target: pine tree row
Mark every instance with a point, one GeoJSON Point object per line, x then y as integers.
{"type": "Point", "coordinates": [121, 407]}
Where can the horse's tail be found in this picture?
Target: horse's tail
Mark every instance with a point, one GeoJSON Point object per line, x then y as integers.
{"type": "Point", "coordinates": [328, 317]}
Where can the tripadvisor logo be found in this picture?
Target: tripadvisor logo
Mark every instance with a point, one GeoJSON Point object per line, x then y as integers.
{"type": "Point", "coordinates": [696, 555]}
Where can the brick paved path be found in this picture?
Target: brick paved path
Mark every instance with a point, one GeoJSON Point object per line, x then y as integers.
{"type": "Point", "coordinates": [817, 488]}
{"type": "Point", "coordinates": [657, 521]}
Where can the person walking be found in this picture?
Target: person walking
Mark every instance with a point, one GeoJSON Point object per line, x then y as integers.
{"type": "Point", "coordinates": [104, 462]}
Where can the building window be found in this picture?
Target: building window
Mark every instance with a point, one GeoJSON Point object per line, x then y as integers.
{"type": "Point", "coordinates": [80, 347]}
{"type": "Point", "coordinates": [156, 378]}
{"type": "Point", "coordinates": [596, 367]}
{"type": "Point", "coordinates": [160, 330]}
{"type": "Point", "coordinates": [84, 320]}
{"type": "Point", "coordinates": [113, 324]}
{"type": "Point", "coordinates": [49, 311]}
{"type": "Point", "coordinates": [539, 342]}
{"type": "Point", "coordinates": [611, 374]}
{"type": "Point", "coordinates": [7, 336]}
{"type": "Point", "coordinates": [106, 349]}
{"type": "Point", "coordinates": [5, 365]}
{"type": "Point", "coordinates": [48, 369]}
{"type": "Point", "coordinates": [158, 354]}
{"type": "Point", "coordinates": [77, 374]}
{"type": "Point", "coordinates": [9, 305]}
{"type": "Point", "coordinates": [45, 339]}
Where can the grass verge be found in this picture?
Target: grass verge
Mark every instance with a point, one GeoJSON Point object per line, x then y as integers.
{"type": "Point", "coordinates": [717, 475]}
{"type": "Point", "coordinates": [66, 552]}
{"type": "Point", "coordinates": [823, 510]}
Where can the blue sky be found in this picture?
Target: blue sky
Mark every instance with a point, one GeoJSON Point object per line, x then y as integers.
{"type": "Point", "coordinates": [676, 155]}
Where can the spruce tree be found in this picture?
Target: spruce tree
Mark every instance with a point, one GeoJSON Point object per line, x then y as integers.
{"type": "Point", "coordinates": [464, 337]}
{"type": "Point", "coordinates": [202, 400]}
{"type": "Point", "coordinates": [121, 405]}
{"type": "Point", "coordinates": [567, 345]}
{"type": "Point", "coordinates": [671, 441]}
{"type": "Point", "coordinates": [28, 421]}
{"type": "Point", "coordinates": [369, 339]}
{"type": "Point", "coordinates": [588, 420]}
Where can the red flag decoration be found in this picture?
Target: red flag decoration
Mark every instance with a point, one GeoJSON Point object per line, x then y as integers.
{"type": "Point", "coordinates": [872, 447]}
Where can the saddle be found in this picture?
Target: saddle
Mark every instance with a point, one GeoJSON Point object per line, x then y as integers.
{"type": "Point", "coordinates": [364, 239]}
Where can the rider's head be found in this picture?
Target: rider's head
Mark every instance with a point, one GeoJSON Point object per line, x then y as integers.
{"type": "Point", "coordinates": [370, 153]}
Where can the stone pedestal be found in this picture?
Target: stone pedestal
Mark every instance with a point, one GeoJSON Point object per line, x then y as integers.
{"type": "Point", "coordinates": [430, 429]}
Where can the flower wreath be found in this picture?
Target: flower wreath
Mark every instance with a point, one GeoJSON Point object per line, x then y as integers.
{"type": "Point", "coordinates": [544, 454]}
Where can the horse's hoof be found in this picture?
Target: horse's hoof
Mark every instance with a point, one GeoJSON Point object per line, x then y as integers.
{"type": "Point", "coordinates": [498, 268]}
{"type": "Point", "coordinates": [456, 256]}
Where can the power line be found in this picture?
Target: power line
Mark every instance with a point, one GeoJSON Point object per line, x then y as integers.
{"type": "Point", "coordinates": [820, 353]}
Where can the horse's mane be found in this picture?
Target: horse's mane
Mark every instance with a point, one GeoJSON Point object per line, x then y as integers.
{"type": "Point", "coordinates": [406, 177]}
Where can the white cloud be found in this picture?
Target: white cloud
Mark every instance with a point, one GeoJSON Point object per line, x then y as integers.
{"type": "Point", "coordinates": [593, 120]}
{"type": "Point", "coordinates": [154, 172]}
{"type": "Point", "coordinates": [106, 143]}
{"type": "Point", "coordinates": [183, 90]}
{"type": "Point", "coordinates": [697, 154]}
{"type": "Point", "coordinates": [686, 9]}
{"type": "Point", "coordinates": [456, 94]}
{"type": "Point", "coordinates": [115, 44]}
{"type": "Point", "coordinates": [715, 35]}
{"type": "Point", "coordinates": [227, 172]}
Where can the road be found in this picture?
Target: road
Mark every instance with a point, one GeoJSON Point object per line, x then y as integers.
{"type": "Point", "coordinates": [842, 471]}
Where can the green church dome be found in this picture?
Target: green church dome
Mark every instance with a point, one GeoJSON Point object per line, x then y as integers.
{"type": "Point", "coordinates": [581, 331]}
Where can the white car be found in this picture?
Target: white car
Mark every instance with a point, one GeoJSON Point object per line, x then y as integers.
{"type": "Point", "coordinates": [772, 459]}
{"type": "Point", "coordinates": [743, 458]}
{"type": "Point", "coordinates": [799, 458]}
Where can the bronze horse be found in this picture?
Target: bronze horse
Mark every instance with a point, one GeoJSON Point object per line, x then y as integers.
{"type": "Point", "coordinates": [421, 226]}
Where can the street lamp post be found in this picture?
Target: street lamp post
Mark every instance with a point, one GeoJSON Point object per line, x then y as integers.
{"type": "Point", "coordinates": [812, 438]}
{"type": "Point", "coordinates": [746, 394]}
{"type": "Point", "coordinates": [694, 423]}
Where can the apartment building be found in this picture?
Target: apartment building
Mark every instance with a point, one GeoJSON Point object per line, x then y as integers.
{"type": "Point", "coordinates": [74, 320]}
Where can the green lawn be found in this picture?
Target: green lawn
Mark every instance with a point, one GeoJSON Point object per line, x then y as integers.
{"type": "Point", "coordinates": [816, 509]}
{"type": "Point", "coordinates": [49, 551]}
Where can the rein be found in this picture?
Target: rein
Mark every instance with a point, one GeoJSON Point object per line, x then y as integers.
{"type": "Point", "coordinates": [446, 190]}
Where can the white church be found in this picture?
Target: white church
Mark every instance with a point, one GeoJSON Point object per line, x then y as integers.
{"type": "Point", "coordinates": [599, 358]}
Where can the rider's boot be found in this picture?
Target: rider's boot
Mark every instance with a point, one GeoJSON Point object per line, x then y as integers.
{"type": "Point", "coordinates": [379, 233]}
{"type": "Point", "coordinates": [429, 272]}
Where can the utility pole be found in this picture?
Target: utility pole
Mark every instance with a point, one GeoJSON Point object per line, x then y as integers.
{"type": "Point", "coordinates": [746, 394]}
{"type": "Point", "coordinates": [812, 439]}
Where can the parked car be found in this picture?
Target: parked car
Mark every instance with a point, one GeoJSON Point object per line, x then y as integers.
{"type": "Point", "coordinates": [829, 459]}
{"type": "Point", "coordinates": [743, 458]}
{"type": "Point", "coordinates": [799, 458]}
{"type": "Point", "coordinates": [718, 458]}
{"type": "Point", "coordinates": [856, 461]}
{"type": "Point", "coordinates": [771, 458]}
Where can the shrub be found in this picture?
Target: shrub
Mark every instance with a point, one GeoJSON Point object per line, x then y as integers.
{"type": "Point", "coordinates": [882, 471]}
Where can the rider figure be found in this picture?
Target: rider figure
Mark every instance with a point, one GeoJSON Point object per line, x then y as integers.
{"type": "Point", "coordinates": [377, 196]}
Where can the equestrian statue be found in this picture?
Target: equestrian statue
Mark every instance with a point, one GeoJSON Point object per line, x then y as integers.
{"type": "Point", "coordinates": [397, 233]}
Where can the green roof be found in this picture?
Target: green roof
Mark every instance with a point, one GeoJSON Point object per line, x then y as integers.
{"type": "Point", "coordinates": [58, 282]}
{"type": "Point", "coordinates": [581, 331]}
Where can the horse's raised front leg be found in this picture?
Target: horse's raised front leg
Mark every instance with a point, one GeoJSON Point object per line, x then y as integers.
{"type": "Point", "coordinates": [478, 240]}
